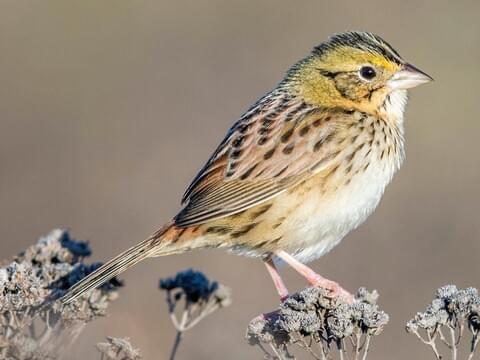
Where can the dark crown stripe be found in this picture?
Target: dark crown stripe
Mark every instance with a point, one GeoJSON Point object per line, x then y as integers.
{"type": "Point", "coordinates": [359, 40]}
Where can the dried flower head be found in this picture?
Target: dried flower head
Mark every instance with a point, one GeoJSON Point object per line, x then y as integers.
{"type": "Point", "coordinates": [193, 284]}
{"type": "Point", "coordinates": [118, 349]}
{"type": "Point", "coordinates": [312, 321]}
{"type": "Point", "coordinates": [32, 325]}
{"type": "Point", "coordinates": [445, 319]}
{"type": "Point", "coordinates": [196, 296]}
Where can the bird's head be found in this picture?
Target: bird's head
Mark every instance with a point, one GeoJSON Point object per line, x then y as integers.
{"type": "Point", "coordinates": [355, 70]}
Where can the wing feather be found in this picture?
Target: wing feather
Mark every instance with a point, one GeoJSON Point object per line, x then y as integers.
{"type": "Point", "coordinates": [276, 144]}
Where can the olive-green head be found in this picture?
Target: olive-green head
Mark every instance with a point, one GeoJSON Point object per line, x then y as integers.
{"type": "Point", "coordinates": [354, 70]}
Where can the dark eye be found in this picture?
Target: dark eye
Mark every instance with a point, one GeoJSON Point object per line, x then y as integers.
{"type": "Point", "coordinates": [367, 72]}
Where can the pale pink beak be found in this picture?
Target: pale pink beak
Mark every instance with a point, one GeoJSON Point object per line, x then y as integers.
{"type": "Point", "coordinates": [408, 77]}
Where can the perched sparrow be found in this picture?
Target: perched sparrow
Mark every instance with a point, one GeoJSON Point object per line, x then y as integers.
{"type": "Point", "coordinates": [305, 165]}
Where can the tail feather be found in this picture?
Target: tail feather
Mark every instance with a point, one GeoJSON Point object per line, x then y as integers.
{"type": "Point", "coordinates": [156, 245]}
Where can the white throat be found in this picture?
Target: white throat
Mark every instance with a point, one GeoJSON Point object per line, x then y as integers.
{"type": "Point", "coordinates": [394, 105]}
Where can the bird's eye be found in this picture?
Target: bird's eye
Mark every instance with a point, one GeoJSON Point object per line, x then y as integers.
{"type": "Point", "coordinates": [367, 72]}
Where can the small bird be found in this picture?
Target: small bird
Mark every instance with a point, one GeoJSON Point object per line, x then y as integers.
{"type": "Point", "coordinates": [305, 165]}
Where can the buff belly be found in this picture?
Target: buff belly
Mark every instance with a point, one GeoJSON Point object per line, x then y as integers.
{"type": "Point", "coordinates": [307, 221]}
{"type": "Point", "coordinates": [324, 219]}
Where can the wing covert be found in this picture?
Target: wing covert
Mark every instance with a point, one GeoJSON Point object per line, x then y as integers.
{"type": "Point", "coordinates": [277, 143]}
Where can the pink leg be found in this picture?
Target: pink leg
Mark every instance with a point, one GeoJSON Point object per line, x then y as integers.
{"type": "Point", "coordinates": [313, 278]}
{"type": "Point", "coordinates": [277, 280]}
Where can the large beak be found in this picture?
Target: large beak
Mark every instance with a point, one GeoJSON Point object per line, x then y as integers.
{"type": "Point", "coordinates": [408, 77]}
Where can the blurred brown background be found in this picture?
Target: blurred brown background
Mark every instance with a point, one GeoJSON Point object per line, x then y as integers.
{"type": "Point", "coordinates": [108, 109]}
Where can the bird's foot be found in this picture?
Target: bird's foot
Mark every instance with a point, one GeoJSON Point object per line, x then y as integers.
{"type": "Point", "coordinates": [335, 289]}
{"type": "Point", "coordinates": [315, 279]}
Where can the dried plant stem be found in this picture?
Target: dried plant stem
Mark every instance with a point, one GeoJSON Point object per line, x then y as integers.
{"type": "Point", "coordinates": [473, 346]}
{"type": "Point", "coordinates": [445, 319]}
{"type": "Point", "coordinates": [356, 345]}
{"type": "Point", "coordinates": [341, 350]}
{"type": "Point", "coordinates": [200, 297]}
{"type": "Point", "coordinates": [366, 347]}
{"type": "Point", "coordinates": [323, 352]}
{"type": "Point", "coordinates": [453, 348]}
{"type": "Point", "coordinates": [176, 344]}
{"type": "Point", "coordinates": [430, 342]}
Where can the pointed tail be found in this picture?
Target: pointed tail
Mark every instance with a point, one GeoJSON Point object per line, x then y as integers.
{"type": "Point", "coordinates": [161, 243]}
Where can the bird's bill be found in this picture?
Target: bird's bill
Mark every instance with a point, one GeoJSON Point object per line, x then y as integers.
{"type": "Point", "coordinates": [408, 77]}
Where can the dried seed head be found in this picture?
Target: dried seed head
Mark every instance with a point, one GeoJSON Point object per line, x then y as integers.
{"type": "Point", "coordinates": [312, 316]}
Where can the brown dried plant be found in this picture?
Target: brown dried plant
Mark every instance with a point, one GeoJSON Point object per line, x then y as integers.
{"type": "Point", "coordinates": [118, 349]}
{"type": "Point", "coordinates": [32, 325]}
{"type": "Point", "coordinates": [323, 327]}
{"type": "Point", "coordinates": [445, 321]}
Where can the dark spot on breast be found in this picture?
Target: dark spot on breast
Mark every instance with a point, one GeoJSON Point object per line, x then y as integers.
{"type": "Point", "coordinates": [318, 145]}
{"type": "Point", "coordinates": [262, 210]}
{"type": "Point", "coordinates": [350, 156]}
{"type": "Point", "coordinates": [348, 169]}
{"type": "Point", "coordinates": [289, 116]}
{"type": "Point", "coordinates": [332, 172]}
{"type": "Point", "coordinates": [243, 230]}
{"type": "Point", "coordinates": [286, 135]}
{"type": "Point", "coordinates": [267, 122]}
{"type": "Point", "coordinates": [341, 140]}
{"type": "Point", "coordinates": [263, 131]}
{"type": "Point", "coordinates": [360, 147]}
{"type": "Point", "coordinates": [288, 149]}
{"type": "Point", "coordinates": [329, 137]}
{"type": "Point", "coordinates": [279, 222]}
{"type": "Point", "coordinates": [261, 244]}
{"type": "Point", "coordinates": [276, 240]}
{"type": "Point", "coordinates": [354, 138]}
{"type": "Point", "coordinates": [387, 98]}
{"type": "Point", "coordinates": [262, 140]}
{"type": "Point", "coordinates": [382, 154]}
{"type": "Point", "coordinates": [269, 154]}
{"type": "Point", "coordinates": [317, 122]}
{"type": "Point", "coordinates": [304, 130]}
{"type": "Point", "coordinates": [366, 166]}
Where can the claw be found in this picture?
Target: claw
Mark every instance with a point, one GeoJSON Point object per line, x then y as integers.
{"type": "Point", "coordinates": [315, 279]}
{"type": "Point", "coordinates": [336, 291]}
